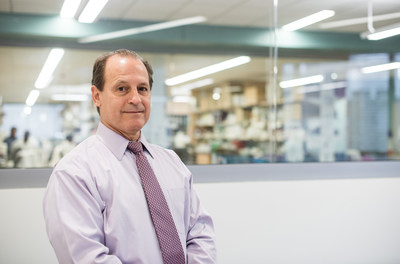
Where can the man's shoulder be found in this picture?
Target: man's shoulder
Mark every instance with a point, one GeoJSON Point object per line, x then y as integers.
{"type": "Point", "coordinates": [86, 144]}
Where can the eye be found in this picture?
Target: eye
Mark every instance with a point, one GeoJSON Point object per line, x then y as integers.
{"type": "Point", "coordinates": [143, 89]}
{"type": "Point", "coordinates": [121, 89]}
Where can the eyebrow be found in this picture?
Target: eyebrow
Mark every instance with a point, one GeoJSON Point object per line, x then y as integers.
{"type": "Point", "coordinates": [123, 82]}
{"type": "Point", "coordinates": [118, 82]}
{"type": "Point", "coordinates": [144, 83]}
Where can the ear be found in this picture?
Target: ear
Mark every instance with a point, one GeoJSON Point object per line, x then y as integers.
{"type": "Point", "coordinates": [95, 96]}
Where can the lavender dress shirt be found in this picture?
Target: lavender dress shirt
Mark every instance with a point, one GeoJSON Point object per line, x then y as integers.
{"type": "Point", "coordinates": [96, 212]}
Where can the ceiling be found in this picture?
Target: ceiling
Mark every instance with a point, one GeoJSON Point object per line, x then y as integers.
{"type": "Point", "coordinates": [222, 12]}
{"type": "Point", "coordinates": [22, 57]}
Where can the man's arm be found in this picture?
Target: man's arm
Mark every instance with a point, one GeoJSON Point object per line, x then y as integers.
{"type": "Point", "coordinates": [74, 220]}
{"type": "Point", "coordinates": [200, 242]}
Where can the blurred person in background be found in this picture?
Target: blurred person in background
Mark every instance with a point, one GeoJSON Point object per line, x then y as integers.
{"type": "Point", "coordinates": [25, 152]}
{"type": "Point", "coordinates": [10, 140]}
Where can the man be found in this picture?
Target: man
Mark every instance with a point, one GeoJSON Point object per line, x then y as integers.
{"type": "Point", "coordinates": [95, 207]}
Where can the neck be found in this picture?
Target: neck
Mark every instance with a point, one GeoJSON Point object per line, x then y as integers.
{"type": "Point", "coordinates": [131, 137]}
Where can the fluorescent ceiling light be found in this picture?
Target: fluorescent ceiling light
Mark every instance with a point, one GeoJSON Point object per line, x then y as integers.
{"type": "Point", "coordinates": [381, 33]}
{"type": "Point", "coordinates": [358, 21]}
{"type": "Point", "coordinates": [70, 97]}
{"type": "Point", "coordinates": [69, 8]}
{"type": "Point", "coordinates": [197, 84]}
{"type": "Point", "coordinates": [49, 66]}
{"type": "Point", "coordinates": [322, 87]}
{"type": "Point", "coordinates": [308, 20]}
{"type": "Point", "coordinates": [381, 67]}
{"type": "Point", "coordinates": [138, 30]}
{"type": "Point", "coordinates": [32, 97]}
{"type": "Point", "coordinates": [186, 88]}
{"type": "Point", "coordinates": [208, 70]}
{"type": "Point", "coordinates": [301, 81]}
{"type": "Point", "coordinates": [92, 10]}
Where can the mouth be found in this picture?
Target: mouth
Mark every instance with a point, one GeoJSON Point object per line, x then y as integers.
{"type": "Point", "coordinates": [133, 112]}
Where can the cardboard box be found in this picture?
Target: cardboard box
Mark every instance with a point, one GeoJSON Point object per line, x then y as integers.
{"type": "Point", "coordinates": [203, 158]}
{"type": "Point", "coordinates": [225, 101]}
{"type": "Point", "coordinates": [178, 108]}
{"type": "Point", "coordinates": [254, 94]}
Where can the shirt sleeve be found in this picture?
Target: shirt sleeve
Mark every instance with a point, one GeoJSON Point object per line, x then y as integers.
{"type": "Point", "coordinates": [74, 221]}
{"type": "Point", "coordinates": [200, 242]}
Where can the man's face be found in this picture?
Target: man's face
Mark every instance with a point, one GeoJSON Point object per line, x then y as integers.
{"type": "Point", "coordinates": [124, 102]}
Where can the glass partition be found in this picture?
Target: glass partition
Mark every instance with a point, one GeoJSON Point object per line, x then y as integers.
{"type": "Point", "coordinates": [308, 95]}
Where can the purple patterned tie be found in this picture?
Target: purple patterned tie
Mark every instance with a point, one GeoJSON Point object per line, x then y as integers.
{"type": "Point", "coordinates": [171, 247]}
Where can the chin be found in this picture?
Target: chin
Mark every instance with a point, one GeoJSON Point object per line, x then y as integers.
{"type": "Point", "coordinates": [135, 128]}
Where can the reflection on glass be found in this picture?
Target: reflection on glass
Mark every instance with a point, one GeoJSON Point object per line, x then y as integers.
{"type": "Point", "coordinates": [44, 135]}
{"type": "Point", "coordinates": [342, 115]}
{"type": "Point", "coordinates": [313, 104]}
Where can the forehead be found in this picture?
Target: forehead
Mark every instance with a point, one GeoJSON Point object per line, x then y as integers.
{"type": "Point", "coordinates": [119, 61]}
{"type": "Point", "coordinates": [124, 65]}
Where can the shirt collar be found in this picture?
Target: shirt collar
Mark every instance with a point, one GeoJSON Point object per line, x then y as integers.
{"type": "Point", "coordinates": [146, 144]}
{"type": "Point", "coordinates": [116, 143]}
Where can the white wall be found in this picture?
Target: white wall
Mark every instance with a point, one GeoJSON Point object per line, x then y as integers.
{"type": "Point", "coordinates": [22, 232]}
{"type": "Point", "coordinates": [322, 221]}
{"type": "Point", "coordinates": [310, 221]}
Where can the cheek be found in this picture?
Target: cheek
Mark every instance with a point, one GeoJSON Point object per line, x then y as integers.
{"type": "Point", "coordinates": [147, 104]}
{"type": "Point", "coordinates": [113, 107]}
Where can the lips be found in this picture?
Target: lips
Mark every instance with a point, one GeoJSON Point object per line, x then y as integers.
{"type": "Point", "coordinates": [133, 111]}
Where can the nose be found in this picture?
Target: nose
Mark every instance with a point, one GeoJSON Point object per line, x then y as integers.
{"type": "Point", "coordinates": [134, 97]}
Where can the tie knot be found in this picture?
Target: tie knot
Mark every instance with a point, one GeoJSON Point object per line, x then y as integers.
{"type": "Point", "coordinates": [135, 147]}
